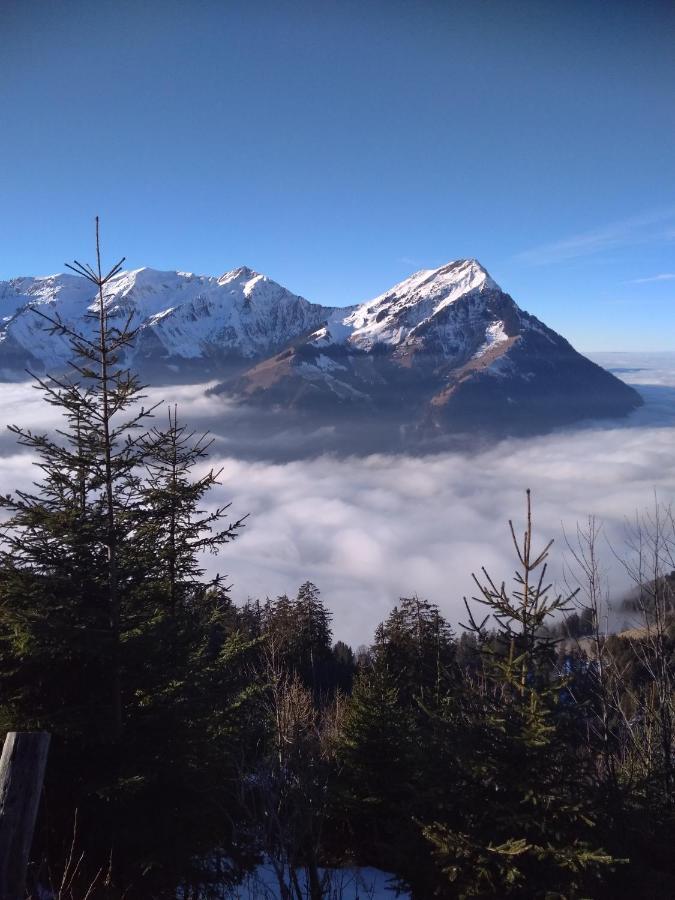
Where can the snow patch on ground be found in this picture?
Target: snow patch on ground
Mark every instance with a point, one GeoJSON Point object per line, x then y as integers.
{"type": "Point", "coordinates": [339, 884]}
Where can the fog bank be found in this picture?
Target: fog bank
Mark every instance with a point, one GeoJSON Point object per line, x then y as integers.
{"type": "Point", "coordinates": [368, 529]}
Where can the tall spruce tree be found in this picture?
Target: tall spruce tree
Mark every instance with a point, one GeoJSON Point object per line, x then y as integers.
{"type": "Point", "coordinates": [109, 637]}
{"type": "Point", "coordinates": [314, 636]}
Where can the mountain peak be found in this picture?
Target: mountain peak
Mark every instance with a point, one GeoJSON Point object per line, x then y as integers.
{"type": "Point", "coordinates": [394, 315]}
{"type": "Point", "coordinates": [241, 273]}
{"type": "Point", "coordinates": [466, 272]}
{"type": "Point", "coordinates": [447, 282]}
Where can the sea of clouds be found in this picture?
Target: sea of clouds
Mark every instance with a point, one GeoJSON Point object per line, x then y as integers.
{"type": "Point", "coordinates": [370, 529]}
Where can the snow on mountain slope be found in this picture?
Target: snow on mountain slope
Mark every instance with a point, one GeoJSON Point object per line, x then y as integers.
{"type": "Point", "coordinates": [447, 315]}
{"type": "Point", "coordinates": [24, 338]}
{"type": "Point", "coordinates": [393, 317]}
{"type": "Point", "coordinates": [181, 316]}
{"type": "Point", "coordinates": [242, 314]}
{"type": "Point", "coordinates": [444, 349]}
{"type": "Point", "coordinates": [457, 311]}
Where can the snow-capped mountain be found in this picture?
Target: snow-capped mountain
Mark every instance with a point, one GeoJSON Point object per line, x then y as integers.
{"type": "Point", "coordinates": [395, 317]}
{"type": "Point", "coordinates": [445, 350]}
{"type": "Point", "coordinates": [194, 325]}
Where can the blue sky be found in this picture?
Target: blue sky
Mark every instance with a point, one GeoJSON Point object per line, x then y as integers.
{"type": "Point", "coordinates": [339, 146]}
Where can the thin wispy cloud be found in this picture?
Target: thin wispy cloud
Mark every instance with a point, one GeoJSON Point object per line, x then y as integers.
{"type": "Point", "coordinates": [651, 227]}
{"type": "Point", "coordinates": [665, 276]}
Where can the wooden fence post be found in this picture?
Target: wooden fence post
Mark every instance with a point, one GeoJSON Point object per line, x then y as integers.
{"type": "Point", "coordinates": [22, 771]}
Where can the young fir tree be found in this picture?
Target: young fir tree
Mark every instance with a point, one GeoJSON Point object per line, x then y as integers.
{"type": "Point", "coordinates": [108, 638]}
{"type": "Point", "coordinates": [527, 823]}
{"type": "Point", "coordinates": [392, 762]}
{"type": "Point", "coordinates": [175, 530]}
{"type": "Point", "coordinates": [377, 759]}
{"type": "Point", "coordinates": [68, 533]}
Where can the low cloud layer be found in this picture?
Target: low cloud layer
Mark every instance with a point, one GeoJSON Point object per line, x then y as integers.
{"type": "Point", "coordinates": [369, 529]}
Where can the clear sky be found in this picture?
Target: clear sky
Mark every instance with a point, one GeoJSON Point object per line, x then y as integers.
{"type": "Point", "coordinates": [340, 146]}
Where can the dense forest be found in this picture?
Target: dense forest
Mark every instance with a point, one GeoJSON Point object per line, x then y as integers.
{"type": "Point", "coordinates": [528, 754]}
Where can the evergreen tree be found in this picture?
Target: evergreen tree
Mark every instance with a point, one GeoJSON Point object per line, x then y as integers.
{"type": "Point", "coordinates": [110, 639]}
{"type": "Point", "coordinates": [174, 531]}
{"type": "Point", "coordinates": [344, 667]}
{"type": "Point", "coordinates": [416, 645]}
{"type": "Point", "coordinates": [301, 633]}
{"type": "Point", "coordinates": [314, 637]}
{"type": "Point", "coordinates": [376, 754]}
{"type": "Point", "coordinates": [526, 828]}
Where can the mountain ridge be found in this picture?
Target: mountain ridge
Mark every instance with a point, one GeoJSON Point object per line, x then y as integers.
{"type": "Point", "coordinates": [181, 316]}
{"type": "Point", "coordinates": [445, 349]}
